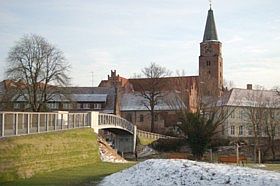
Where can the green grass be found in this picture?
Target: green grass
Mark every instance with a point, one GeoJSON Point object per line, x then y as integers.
{"type": "Point", "coordinates": [89, 174]}
{"type": "Point", "coordinates": [26, 156]}
{"type": "Point", "coordinates": [146, 141]}
{"type": "Point", "coordinates": [60, 158]}
{"type": "Point", "coordinates": [271, 167]}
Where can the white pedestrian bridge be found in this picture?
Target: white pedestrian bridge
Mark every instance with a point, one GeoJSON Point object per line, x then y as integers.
{"type": "Point", "coordinates": [25, 123]}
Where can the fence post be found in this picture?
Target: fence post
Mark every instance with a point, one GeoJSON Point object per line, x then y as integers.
{"type": "Point", "coordinates": [3, 124]}
{"type": "Point", "coordinates": [38, 123]}
{"type": "Point", "coordinates": [73, 120]}
{"type": "Point", "coordinates": [69, 120]}
{"type": "Point", "coordinates": [23, 122]}
{"type": "Point", "coordinates": [94, 121]}
{"type": "Point", "coordinates": [84, 120]}
{"type": "Point", "coordinates": [47, 122]}
{"type": "Point", "coordinates": [61, 121]}
{"type": "Point", "coordinates": [28, 123]}
{"type": "Point", "coordinates": [55, 121]}
{"type": "Point", "coordinates": [16, 124]}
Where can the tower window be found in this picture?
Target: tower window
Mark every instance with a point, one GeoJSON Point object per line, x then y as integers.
{"type": "Point", "coordinates": [208, 63]}
{"type": "Point", "coordinates": [209, 72]}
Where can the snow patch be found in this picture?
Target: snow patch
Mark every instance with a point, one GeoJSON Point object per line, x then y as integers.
{"type": "Point", "coordinates": [186, 172]}
{"type": "Point", "coordinates": [105, 157]}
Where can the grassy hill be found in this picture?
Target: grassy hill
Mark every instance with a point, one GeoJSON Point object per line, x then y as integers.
{"type": "Point", "coordinates": [25, 156]}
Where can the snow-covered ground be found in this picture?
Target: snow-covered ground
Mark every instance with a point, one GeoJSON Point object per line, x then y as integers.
{"type": "Point", "coordinates": [185, 172]}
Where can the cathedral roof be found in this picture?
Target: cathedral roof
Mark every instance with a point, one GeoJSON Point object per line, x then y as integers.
{"type": "Point", "coordinates": [170, 83]}
{"type": "Point", "coordinates": [210, 32]}
{"type": "Point", "coordinates": [136, 102]}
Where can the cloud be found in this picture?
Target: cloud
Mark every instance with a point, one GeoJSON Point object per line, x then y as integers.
{"type": "Point", "coordinates": [234, 39]}
{"type": "Point", "coordinates": [8, 18]}
{"type": "Point", "coordinates": [277, 38]}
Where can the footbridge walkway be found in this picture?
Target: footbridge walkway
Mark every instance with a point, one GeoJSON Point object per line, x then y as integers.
{"type": "Point", "coordinates": [24, 123]}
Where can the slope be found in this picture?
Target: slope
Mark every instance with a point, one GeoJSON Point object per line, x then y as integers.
{"type": "Point", "coordinates": [25, 156]}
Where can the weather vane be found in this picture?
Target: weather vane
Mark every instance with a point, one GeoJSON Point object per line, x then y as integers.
{"type": "Point", "coordinates": [210, 3]}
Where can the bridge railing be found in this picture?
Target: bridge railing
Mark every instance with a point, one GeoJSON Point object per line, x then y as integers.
{"type": "Point", "coordinates": [109, 119]}
{"type": "Point", "coordinates": [21, 123]}
{"type": "Point", "coordinates": [150, 135]}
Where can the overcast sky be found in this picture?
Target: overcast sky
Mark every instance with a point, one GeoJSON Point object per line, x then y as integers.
{"type": "Point", "coordinates": [126, 35]}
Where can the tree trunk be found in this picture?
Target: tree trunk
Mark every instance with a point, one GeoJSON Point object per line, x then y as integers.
{"type": "Point", "coordinates": [152, 121]}
{"type": "Point", "coordinates": [273, 149]}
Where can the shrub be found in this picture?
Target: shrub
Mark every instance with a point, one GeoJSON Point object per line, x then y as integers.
{"type": "Point", "coordinates": [167, 145]}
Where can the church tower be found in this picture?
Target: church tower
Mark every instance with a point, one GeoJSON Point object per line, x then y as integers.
{"type": "Point", "coordinates": [210, 60]}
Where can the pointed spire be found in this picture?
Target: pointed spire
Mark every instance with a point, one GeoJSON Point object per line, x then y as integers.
{"type": "Point", "coordinates": [210, 32]}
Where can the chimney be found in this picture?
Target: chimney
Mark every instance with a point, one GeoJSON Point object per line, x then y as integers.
{"type": "Point", "coordinates": [249, 86]}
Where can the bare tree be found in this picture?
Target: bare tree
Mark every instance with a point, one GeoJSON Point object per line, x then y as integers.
{"type": "Point", "coordinates": [228, 84]}
{"type": "Point", "coordinates": [271, 123]}
{"type": "Point", "coordinates": [204, 123]}
{"type": "Point", "coordinates": [262, 115]}
{"type": "Point", "coordinates": [202, 126]}
{"type": "Point", "coordinates": [38, 67]}
{"type": "Point", "coordinates": [255, 116]}
{"type": "Point", "coordinates": [151, 87]}
{"type": "Point", "coordinates": [277, 89]}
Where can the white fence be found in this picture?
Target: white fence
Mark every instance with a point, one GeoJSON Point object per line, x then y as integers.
{"type": "Point", "coordinates": [20, 123]}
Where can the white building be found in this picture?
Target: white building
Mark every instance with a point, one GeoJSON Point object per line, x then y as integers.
{"type": "Point", "coordinates": [252, 111]}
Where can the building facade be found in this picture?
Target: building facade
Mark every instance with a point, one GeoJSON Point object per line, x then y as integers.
{"type": "Point", "coordinates": [254, 113]}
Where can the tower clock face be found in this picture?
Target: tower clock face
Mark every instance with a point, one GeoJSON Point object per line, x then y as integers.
{"type": "Point", "coordinates": [207, 49]}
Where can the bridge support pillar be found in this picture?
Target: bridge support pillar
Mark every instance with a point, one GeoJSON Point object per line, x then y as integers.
{"type": "Point", "coordinates": [94, 121]}
{"type": "Point", "coordinates": [134, 138]}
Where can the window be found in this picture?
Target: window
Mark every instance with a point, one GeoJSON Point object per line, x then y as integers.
{"type": "Point", "coordinates": [232, 130]}
{"type": "Point", "coordinates": [128, 117]}
{"type": "Point", "coordinates": [232, 115]}
{"type": "Point", "coordinates": [241, 130]}
{"type": "Point", "coordinates": [223, 130]}
{"type": "Point", "coordinates": [209, 72]}
{"type": "Point", "coordinates": [86, 105]}
{"type": "Point", "coordinates": [27, 106]}
{"type": "Point", "coordinates": [16, 105]}
{"type": "Point", "coordinates": [79, 106]}
{"type": "Point", "coordinates": [242, 115]}
{"type": "Point", "coordinates": [52, 105]}
{"type": "Point", "coordinates": [250, 130]}
{"type": "Point", "coordinates": [141, 119]}
{"type": "Point", "coordinates": [67, 106]}
{"type": "Point", "coordinates": [97, 106]}
{"type": "Point", "coordinates": [208, 63]}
